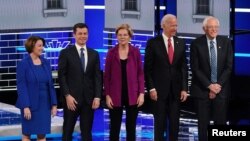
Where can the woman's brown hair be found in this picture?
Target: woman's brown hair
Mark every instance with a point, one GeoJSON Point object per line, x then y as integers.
{"type": "Point", "coordinates": [31, 42]}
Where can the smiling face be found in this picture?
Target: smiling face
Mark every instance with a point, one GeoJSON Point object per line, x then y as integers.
{"type": "Point", "coordinates": [123, 37]}
{"type": "Point", "coordinates": [38, 48]}
{"type": "Point", "coordinates": [81, 36]}
{"type": "Point", "coordinates": [211, 28]}
{"type": "Point", "coordinates": [170, 27]}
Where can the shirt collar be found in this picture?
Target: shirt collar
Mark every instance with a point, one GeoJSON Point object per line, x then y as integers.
{"type": "Point", "coordinates": [79, 47]}
{"type": "Point", "coordinates": [166, 38]}
{"type": "Point", "coordinates": [208, 41]}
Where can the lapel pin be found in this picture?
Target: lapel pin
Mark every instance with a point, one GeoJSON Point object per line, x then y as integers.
{"type": "Point", "coordinates": [219, 47]}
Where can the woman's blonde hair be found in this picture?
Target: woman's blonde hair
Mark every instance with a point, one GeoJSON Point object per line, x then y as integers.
{"type": "Point", "coordinates": [125, 26]}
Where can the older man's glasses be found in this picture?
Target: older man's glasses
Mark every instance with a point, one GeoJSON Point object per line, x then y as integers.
{"type": "Point", "coordinates": [213, 27]}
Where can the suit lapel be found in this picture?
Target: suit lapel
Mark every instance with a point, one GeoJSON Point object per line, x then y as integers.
{"type": "Point", "coordinates": [205, 51]}
{"type": "Point", "coordinates": [163, 48]}
{"type": "Point", "coordinates": [219, 50]}
{"type": "Point", "coordinates": [75, 56]}
{"type": "Point", "coordinates": [176, 49]}
{"type": "Point", "coordinates": [46, 69]}
{"type": "Point", "coordinates": [116, 54]}
{"type": "Point", "coordinates": [44, 66]}
{"type": "Point", "coordinates": [32, 67]}
{"type": "Point", "coordinates": [89, 58]}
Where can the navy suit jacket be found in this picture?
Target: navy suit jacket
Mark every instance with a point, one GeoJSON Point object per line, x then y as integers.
{"type": "Point", "coordinates": [28, 86]}
{"type": "Point", "coordinates": [81, 85]}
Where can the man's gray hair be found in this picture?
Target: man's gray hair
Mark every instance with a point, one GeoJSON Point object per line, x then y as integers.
{"type": "Point", "coordinates": [210, 18]}
{"type": "Point", "coordinates": [166, 18]}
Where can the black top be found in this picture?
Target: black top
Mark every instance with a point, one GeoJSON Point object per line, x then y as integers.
{"type": "Point", "coordinates": [124, 83]}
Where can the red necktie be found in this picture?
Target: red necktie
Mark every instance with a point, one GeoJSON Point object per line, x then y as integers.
{"type": "Point", "coordinates": [170, 51]}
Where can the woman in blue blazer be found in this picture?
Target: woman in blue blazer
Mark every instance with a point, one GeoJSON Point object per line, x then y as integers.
{"type": "Point", "coordinates": [36, 94]}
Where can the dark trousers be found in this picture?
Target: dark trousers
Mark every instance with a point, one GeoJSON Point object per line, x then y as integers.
{"type": "Point", "coordinates": [166, 110]}
{"type": "Point", "coordinates": [207, 110]}
{"type": "Point", "coordinates": [116, 120]}
{"type": "Point", "coordinates": [86, 114]}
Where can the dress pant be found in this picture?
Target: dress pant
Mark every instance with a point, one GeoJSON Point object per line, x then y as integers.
{"type": "Point", "coordinates": [207, 110]}
{"type": "Point", "coordinates": [116, 120]}
{"type": "Point", "coordinates": [86, 114]}
{"type": "Point", "coordinates": [166, 112]}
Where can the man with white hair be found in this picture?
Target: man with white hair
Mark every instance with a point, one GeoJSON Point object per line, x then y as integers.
{"type": "Point", "coordinates": [166, 78]}
{"type": "Point", "coordinates": [211, 64]}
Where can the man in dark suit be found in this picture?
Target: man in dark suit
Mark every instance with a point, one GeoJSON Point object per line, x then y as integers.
{"type": "Point", "coordinates": [211, 64]}
{"type": "Point", "coordinates": [80, 84]}
{"type": "Point", "coordinates": [166, 78]}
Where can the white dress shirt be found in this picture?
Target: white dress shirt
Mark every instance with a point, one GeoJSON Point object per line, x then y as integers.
{"type": "Point", "coordinates": [78, 47]}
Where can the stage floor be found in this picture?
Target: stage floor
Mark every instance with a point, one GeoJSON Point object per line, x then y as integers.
{"type": "Point", "coordinates": [10, 127]}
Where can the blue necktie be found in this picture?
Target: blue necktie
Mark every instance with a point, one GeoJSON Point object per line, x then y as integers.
{"type": "Point", "coordinates": [82, 58]}
{"type": "Point", "coordinates": [213, 62]}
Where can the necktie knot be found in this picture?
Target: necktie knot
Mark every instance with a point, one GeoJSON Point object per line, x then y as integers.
{"type": "Point", "coordinates": [82, 49]}
{"type": "Point", "coordinates": [211, 43]}
{"type": "Point", "coordinates": [169, 42]}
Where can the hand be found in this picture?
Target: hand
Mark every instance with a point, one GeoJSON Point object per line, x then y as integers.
{"type": "Point", "coordinates": [184, 96]}
{"type": "Point", "coordinates": [54, 110]}
{"type": "Point", "coordinates": [71, 102]}
{"type": "Point", "coordinates": [109, 102]}
{"type": "Point", "coordinates": [218, 88]}
{"type": "Point", "coordinates": [96, 103]}
{"type": "Point", "coordinates": [212, 95]}
{"type": "Point", "coordinates": [27, 113]}
{"type": "Point", "coordinates": [153, 95]}
{"type": "Point", "coordinates": [215, 88]}
{"type": "Point", "coordinates": [140, 100]}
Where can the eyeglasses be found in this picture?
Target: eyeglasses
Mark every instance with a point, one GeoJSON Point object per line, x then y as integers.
{"type": "Point", "coordinates": [213, 27]}
{"type": "Point", "coordinates": [122, 35]}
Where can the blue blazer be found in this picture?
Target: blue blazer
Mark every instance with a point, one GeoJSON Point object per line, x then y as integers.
{"type": "Point", "coordinates": [27, 84]}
